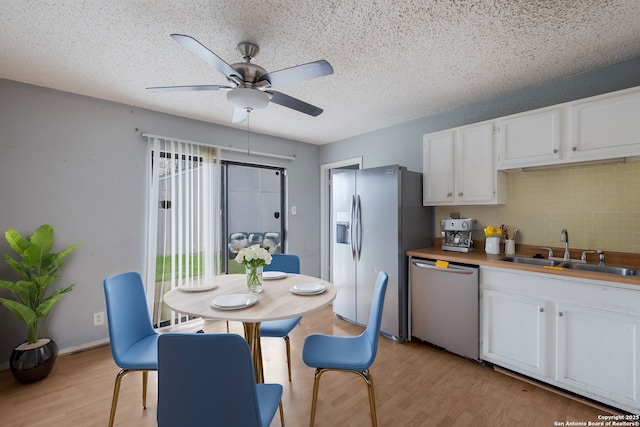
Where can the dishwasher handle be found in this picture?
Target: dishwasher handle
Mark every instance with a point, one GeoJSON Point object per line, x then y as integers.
{"type": "Point", "coordinates": [444, 270]}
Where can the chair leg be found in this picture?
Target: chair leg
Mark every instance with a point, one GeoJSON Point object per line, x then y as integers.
{"type": "Point", "coordinates": [281, 414]}
{"type": "Point", "coordinates": [145, 378]}
{"type": "Point", "coordinates": [366, 375]}
{"type": "Point", "coordinates": [316, 386]}
{"type": "Point", "coordinates": [288, 345]}
{"type": "Point", "coordinates": [116, 392]}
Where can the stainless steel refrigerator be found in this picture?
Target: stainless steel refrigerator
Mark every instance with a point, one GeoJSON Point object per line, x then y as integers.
{"type": "Point", "coordinates": [377, 215]}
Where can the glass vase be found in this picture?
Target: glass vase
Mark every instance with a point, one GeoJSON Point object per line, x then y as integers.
{"type": "Point", "coordinates": [254, 278]}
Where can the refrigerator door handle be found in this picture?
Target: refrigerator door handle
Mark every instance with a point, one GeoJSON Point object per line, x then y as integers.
{"type": "Point", "coordinates": [352, 244]}
{"type": "Point", "coordinates": [359, 226]}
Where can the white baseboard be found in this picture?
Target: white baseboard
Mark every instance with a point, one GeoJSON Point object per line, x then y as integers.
{"type": "Point", "coordinates": [83, 347]}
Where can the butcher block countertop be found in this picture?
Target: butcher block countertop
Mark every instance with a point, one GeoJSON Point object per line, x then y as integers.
{"type": "Point", "coordinates": [479, 257]}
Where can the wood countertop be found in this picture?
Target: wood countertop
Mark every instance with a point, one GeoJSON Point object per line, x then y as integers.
{"type": "Point", "coordinates": [479, 257]}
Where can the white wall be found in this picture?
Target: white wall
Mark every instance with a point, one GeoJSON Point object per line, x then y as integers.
{"type": "Point", "coordinates": [79, 164]}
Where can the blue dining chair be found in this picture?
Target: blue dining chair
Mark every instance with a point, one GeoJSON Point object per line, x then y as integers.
{"type": "Point", "coordinates": [134, 342]}
{"type": "Point", "coordinates": [287, 263]}
{"type": "Point", "coordinates": [348, 354]}
{"type": "Point", "coordinates": [208, 379]}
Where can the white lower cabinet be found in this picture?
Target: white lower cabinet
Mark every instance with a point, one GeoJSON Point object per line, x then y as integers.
{"type": "Point", "coordinates": [516, 336]}
{"type": "Point", "coordinates": [597, 353]}
{"type": "Point", "coordinates": [577, 334]}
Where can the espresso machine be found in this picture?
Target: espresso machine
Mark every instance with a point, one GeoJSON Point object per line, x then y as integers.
{"type": "Point", "coordinates": [457, 234]}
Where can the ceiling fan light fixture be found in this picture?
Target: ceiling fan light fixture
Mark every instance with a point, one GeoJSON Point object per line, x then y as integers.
{"type": "Point", "coordinates": [248, 99]}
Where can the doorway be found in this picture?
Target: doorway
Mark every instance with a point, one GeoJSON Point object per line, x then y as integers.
{"type": "Point", "coordinates": [326, 171]}
{"type": "Point", "coordinates": [253, 210]}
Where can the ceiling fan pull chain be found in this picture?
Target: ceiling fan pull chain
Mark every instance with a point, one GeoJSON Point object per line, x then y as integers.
{"type": "Point", "coordinates": [248, 135]}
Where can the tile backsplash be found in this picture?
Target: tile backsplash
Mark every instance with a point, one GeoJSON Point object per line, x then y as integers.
{"type": "Point", "coordinates": [599, 205]}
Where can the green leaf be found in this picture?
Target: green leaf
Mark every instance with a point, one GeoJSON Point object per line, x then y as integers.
{"type": "Point", "coordinates": [19, 289]}
{"type": "Point", "coordinates": [21, 311]}
{"type": "Point", "coordinates": [17, 266]}
{"type": "Point", "coordinates": [44, 280]}
{"type": "Point", "coordinates": [32, 257]}
{"type": "Point", "coordinates": [46, 305]}
{"type": "Point", "coordinates": [16, 241]}
{"type": "Point", "coordinates": [42, 238]}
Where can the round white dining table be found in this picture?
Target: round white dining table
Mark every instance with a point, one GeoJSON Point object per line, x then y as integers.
{"type": "Point", "coordinates": [275, 302]}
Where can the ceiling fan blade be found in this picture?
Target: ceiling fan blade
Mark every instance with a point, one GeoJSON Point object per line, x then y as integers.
{"type": "Point", "coordinates": [298, 73]}
{"type": "Point", "coordinates": [187, 88]}
{"type": "Point", "coordinates": [295, 104]}
{"type": "Point", "coordinates": [209, 57]}
{"type": "Point", "coordinates": [239, 115]}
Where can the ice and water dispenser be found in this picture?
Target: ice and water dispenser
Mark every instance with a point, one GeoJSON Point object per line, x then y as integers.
{"type": "Point", "coordinates": [343, 228]}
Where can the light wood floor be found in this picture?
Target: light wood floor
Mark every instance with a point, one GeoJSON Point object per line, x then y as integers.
{"type": "Point", "coordinates": [416, 385]}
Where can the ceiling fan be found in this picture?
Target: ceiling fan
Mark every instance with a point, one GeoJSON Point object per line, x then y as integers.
{"type": "Point", "coordinates": [250, 84]}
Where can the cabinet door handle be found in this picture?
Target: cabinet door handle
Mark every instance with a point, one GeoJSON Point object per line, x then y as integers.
{"type": "Point", "coordinates": [555, 151]}
{"type": "Point", "coordinates": [574, 148]}
{"type": "Point", "coordinates": [449, 194]}
{"type": "Point", "coordinates": [541, 310]}
{"type": "Point", "coordinates": [560, 314]}
{"type": "Point", "coordinates": [460, 194]}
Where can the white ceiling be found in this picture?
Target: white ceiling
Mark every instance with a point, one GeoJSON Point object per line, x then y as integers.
{"type": "Point", "coordinates": [394, 60]}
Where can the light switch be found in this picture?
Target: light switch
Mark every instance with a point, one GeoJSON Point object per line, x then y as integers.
{"type": "Point", "coordinates": [293, 210]}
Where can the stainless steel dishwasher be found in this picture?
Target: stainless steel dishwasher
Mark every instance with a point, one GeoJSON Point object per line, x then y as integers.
{"type": "Point", "coordinates": [444, 306]}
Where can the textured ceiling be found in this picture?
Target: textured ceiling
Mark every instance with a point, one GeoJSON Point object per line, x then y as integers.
{"type": "Point", "coordinates": [394, 60]}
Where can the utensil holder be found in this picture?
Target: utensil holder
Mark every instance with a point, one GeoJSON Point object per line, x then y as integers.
{"type": "Point", "coordinates": [510, 247]}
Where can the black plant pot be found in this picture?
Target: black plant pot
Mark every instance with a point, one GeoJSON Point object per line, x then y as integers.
{"type": "Point", "coordinates": [34, 364]}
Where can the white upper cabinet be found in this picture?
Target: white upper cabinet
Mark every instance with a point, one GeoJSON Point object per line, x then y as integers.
{"type": "Point", "coordinates": [592, 129]}
{"type": "Point", "coordinates": [475, 172]}
{"type": "Point", "coordinates": [437, 153]}
{"type": "Point", "coordinates": [605, 126]}
{"type": "Point", "coordinates": [527, 139]}
{"type": "Point", "coordinates": [458, 167]}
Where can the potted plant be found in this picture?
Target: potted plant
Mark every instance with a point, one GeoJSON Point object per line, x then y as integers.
{"type": "Point", "coordinates": [38, 268]}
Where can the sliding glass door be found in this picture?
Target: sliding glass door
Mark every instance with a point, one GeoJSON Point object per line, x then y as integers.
{"type": "Point", "coordinates": [253, 208]}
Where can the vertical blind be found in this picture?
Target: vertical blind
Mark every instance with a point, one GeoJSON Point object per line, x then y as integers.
{"type": "Point", "coordinates": [183, 247]}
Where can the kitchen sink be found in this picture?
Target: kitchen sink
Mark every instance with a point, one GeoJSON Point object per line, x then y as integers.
{"type": "Point", "coordinates": [530, 260]}
{"type": "Point", "coordinates": [597, 268]}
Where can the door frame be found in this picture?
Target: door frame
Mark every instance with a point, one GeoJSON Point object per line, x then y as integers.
{"type": "Point", "coordinates": [325, 211]}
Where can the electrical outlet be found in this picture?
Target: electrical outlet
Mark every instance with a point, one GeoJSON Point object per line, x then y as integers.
{"type": "Point", "coordinates": [98, 319]}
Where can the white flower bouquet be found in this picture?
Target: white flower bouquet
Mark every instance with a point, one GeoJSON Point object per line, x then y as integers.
{"type": "Point", "coordinates": [253, 258]}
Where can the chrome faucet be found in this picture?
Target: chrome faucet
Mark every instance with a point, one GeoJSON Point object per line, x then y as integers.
{"type": "Point", "coordinates": [583, 258]}
{"type": "Point", "coordinates": [600, 256]}
{"type": "Point", "coordinates": [564, 237]}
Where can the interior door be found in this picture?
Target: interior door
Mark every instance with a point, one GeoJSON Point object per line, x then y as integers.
{"type": "Point", "coordinates": [253, 210]}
